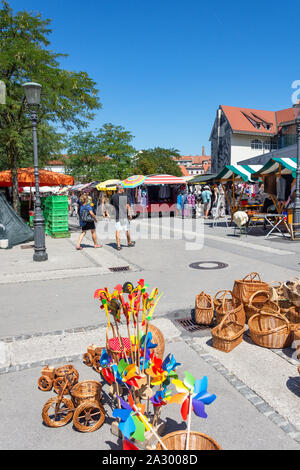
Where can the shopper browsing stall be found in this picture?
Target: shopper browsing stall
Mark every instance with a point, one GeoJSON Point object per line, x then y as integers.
{"type": "Point", "coordinates": [122, 208]}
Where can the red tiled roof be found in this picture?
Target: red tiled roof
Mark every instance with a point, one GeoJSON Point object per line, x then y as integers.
{"type": "Point", "coordinates": [199, 159]}
{"type": "Point", "coordinates": [285, 115]}
{"type": "Point", "coordinates": [184, 171]}
{"type": "Point", "coordinates": [244, 120]}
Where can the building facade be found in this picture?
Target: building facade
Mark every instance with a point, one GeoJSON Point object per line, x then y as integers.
{"type": "Point", "coordinates": [241, 133]}
{"type": "Point", "coordinates": [195, 164]}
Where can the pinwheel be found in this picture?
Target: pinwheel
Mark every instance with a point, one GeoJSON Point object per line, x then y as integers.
{"type": "Point", "coordinates": [192, 396]}
{"type": "Point", "coordinates": [146, 345]}
{"type": "Point", "coordinates": [156, 372]}
{"type": "Point", "coordinates": [129, 375]}
{"type": "Point", "coordinates": [127, 445]}
{"type": "Point", "coordinates": [161, 397]}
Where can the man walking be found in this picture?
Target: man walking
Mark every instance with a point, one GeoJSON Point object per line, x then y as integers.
{"type": "Point", "coordinates": [122, 208]}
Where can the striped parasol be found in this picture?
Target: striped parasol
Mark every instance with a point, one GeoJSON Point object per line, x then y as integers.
{"type": "Point", "coordinates": [164, 179]}
{"type": "Point", "coordinates": [133, 181]}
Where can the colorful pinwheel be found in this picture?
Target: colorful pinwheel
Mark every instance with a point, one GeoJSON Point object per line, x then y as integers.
{"type": "Point", "coordinates": [161, 397]}
{"type": "Point", "coordinates": [194, 390]}
{"type": "Point", "coordinates": [130, 426]}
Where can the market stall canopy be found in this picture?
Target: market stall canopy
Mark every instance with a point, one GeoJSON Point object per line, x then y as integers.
{"type": "Point", "coordinates": [26, 178]}
{"type": "Point", "coordinates": [203, 178]}
{"type": "Point", "coordinates": [133, 181]}
{"type": "Point", "coordinates": [244, 172]}
{"type": "Point", "coordinates": [108, 185]}
{"type": "Point", "coordinates": [164, 179]}
{"type": "Point", "coordinates": [80, 187]}
{"type": "Point", "coordinates": [43, 189]}
{"type": "Point", "coordinates": [288, 167]}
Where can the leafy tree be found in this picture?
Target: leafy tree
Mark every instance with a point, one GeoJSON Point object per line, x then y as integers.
{"type": "Point", "coordinates": [68, 98]}
{"type": "Point", "coordinates": [157, 161]}
{"type": "Point", "coordinates": [100, 155]}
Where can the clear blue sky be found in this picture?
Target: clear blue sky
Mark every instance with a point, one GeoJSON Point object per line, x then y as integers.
{"type": "Point", "coordinates": [163, 67]}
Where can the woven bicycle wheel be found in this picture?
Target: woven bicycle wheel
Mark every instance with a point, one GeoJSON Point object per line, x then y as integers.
{"type": "Point", "coordinates": [57, 412]}
{"type": "Point", "coordinates": [197, 441]}
{"type": "Point", "coordinates": [89, 416]}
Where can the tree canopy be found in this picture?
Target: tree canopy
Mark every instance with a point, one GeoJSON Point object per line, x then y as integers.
{"type": "Point", "coordinates": [68, 98]}
{"type": "Point", "coordinates": [157, 161]}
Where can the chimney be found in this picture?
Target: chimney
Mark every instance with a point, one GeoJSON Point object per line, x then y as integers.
{"type": "Point", "coordinates": [203, 151]}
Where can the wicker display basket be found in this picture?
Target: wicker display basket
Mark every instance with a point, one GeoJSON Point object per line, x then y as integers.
{"type": "Point", "coordinates": [270, 330]}
{"type": "Point", "coordinates": [293, 315]}
{"type": "Point", "coordinates": [244, 288]}
{"type": "Point", "coordinates": [157, 338]}
{"type": "Point", "coordinates": [114, 347]}
{"type": "Point", "coordinates": [291, 291]}
{"type": "Point", "coordinates": [267, 305]}
{"type": "Point", "coordinates": [204, 309]}
{"type": "Point", "coordinates": [297, 340]}
{"type": "Point", "coordinates": [228, 334]}
{"type": "Point", "coordinates": [197, 441]}
{"type": "Point", "coordinates": [88, 390]}
{"type": "Point", "coordinates": [225, 305]}
{"type": "Point", "coordinates": [276, 291]}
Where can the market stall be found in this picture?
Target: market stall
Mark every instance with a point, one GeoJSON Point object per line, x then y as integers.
{"type": "Point", "coordinates": [242, 175]}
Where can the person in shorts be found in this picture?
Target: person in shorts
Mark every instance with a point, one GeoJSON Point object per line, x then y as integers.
{"type": "Point", "coordinates": [122, 208]}
{"type": "Point", "coordinates": [87, 221]}
{"type": "Point", "coordinates": [206, 199]}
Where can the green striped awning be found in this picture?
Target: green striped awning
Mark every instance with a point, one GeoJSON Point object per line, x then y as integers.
{"type": "Point", "coordinates": [244, 172]}
{"type": "Point", "coordinates": [288, 166]}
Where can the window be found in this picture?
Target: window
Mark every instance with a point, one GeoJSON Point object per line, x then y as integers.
{"type": "Point", "coordinates": [256, 144]}
{"type": "Point", "coordinates": [267, 145]}
{"type": "Point", "coordinates": [274, 146]}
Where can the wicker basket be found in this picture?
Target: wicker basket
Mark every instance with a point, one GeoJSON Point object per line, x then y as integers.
{"type": "Point", "coordinates": [204, 309]}
{"type": "Point", "coordinates": [218, 298]}
{"type": "Point", "coordinates": [244, 288]}
{"type": "Point", "coordinates": [276, 291]}
{"type": "Point", "coordinates": [228, 334]}
{"type": "Point", "coordinates": [268, 306]}
{"type": "Point", "coordinates": [157, 338]}
{"type": "Point", "coordinates": [293, 315]}
{"type": "Point", "coordinates": [88, 390]}
{"type": "Point", "coordinates": [229, 305]}
{"type": "Point", "coordinates": [297, 340]}
{"type": "Point", "coordinates": [197, 441]}
{"type": "Point", "coordinates": [113, 346]}
{"type": "Point", "coordinates": [270, 330]}
{"type": "Point", "coordinates": [291, 291]}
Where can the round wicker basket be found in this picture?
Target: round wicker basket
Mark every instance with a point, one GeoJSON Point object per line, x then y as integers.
{"type": "Point", "coordinates": [197, 441]}
{"type": "Point", "coordinates": [88, 390]}
{"type": "Point", "coordinates": [244, 288]}
{"type": "Point", "coordinates": [157, 338]}
{"type": "Point", "coordinates": [270, 330]}
{"type": "Point", "coordinates": [267, 305]}
{"type": "Point", "coordinates": [225, 305]}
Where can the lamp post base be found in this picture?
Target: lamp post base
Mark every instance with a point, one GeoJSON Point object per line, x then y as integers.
{"type": "Point", "coordinates": [40, 257]}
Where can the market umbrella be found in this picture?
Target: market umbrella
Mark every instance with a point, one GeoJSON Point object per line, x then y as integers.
{"type": "Point", "coordinates": [108, 185]}
{"type": "Point", "coordinates": [133, 181]}
{"type": "Point", "coordinates": [26, 178]}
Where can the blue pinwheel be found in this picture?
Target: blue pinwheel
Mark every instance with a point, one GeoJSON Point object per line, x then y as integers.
{"type": "Point", "coordinates": [104, 359]}
{"type": "Point", "coordinates": [130, 425]}
{"type": "Point", "coordinates": [161, 397]}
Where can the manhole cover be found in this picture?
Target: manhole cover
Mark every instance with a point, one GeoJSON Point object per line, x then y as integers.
{"type": "Point", "coordinates": [119, 268]}
{"type": "Point", "coordinates": [190, 325]}
{"type": "Point", "coordinates": [208, 265]}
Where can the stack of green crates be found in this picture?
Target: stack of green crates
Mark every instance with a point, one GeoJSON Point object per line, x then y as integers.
{"type": "Point", "coordinates": [56, 214]}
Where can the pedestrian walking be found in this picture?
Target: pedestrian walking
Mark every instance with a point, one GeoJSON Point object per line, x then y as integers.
{"type": "Point", "coordinates": [74, 205]}
{"type": "Point", "coordinates": [105, 207]}
{"type": "Point", "coordinates": [206, 199]}
{"type": "Point", "coordinates": [120, 202]}
{"type": "Point", "coordinates": [87, 221]}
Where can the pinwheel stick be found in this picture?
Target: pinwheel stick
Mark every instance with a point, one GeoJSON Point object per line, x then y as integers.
{"type": "Point", "coordinates": [145, 345]}
{"type": "Point", "coordinates": [121, 341]}
{"type": "Point", "coordinates": [129, 336]}
{"type": "Point", "coordinates": [189, 422]}
{"type": "Point", "coordinates": [145, 421]}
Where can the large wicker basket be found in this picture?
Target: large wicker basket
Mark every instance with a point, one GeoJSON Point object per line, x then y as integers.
{"type": "Point", "coordinates": [267, 305]}
{"type": "Point", "coordinates": [157, 338]}
{"type": "Point", "coordinates": [204, 309]}
{"type": "Point", "coordinates": [88, 390]}
{"type": "Point", "coordinates": [197, 441]}
{"type": "Point", "coordinates": [225, 305]}
{"type": "Point", "coordinates": [270, 330]}
{"type": "Point", "coordinates": [244, 288]}
{"type": "Point", "coordinates": [293, 315]}
{"type": "Point", "coordinates": [228, 334]}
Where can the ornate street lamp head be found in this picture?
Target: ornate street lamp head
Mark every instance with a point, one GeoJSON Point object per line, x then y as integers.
{"type": "Point", "coordinates": [32, 93]}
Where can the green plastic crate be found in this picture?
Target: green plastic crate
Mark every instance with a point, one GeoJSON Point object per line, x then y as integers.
{"type": "Point", "coordinates": [59, 234]}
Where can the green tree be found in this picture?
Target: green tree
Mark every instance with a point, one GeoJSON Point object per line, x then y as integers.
{"type": "Point", "coordinates": [68, 98]}
{"type": "Point", "coordinates": [101, 154]}
{"type": "Point", "coordinates": [157, 161]}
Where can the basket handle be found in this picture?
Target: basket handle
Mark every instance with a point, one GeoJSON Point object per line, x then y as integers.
{"type": "Point", "coordinates": [279, 286]}
{"type": "Point", "coordinates": [224, 295]}
{"type": "Point", "coordinates": [259, 292]}
{"type": "Point", "coordinates": [223, 321]}
{"type": "Point", "coordinates": [208, 297]}
{"type": "Point", "coordinates": [281, 317]}
{"type": "Point", "coordinates": [224, 298]}
{"type": "Point", "coordinates": [252, 276]}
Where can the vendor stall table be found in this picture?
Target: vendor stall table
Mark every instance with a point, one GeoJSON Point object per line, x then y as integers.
{"type": "Point", "coordinates": [271, 220]}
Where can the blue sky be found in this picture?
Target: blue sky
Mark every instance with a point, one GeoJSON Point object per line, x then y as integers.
{"type": "Point", "coordinates": [163, 67]}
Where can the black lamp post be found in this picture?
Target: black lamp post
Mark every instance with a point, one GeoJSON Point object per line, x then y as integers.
{"type": "Point", "coordinates": [33, 94]}
{"type": "Point", "coordinates": [296, 214]}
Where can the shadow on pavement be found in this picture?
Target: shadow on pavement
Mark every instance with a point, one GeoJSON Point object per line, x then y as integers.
{"type": "Point", "coordinates": [293, 384]}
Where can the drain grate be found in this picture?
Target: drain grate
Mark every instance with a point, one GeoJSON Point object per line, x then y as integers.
{"type": "Point", "coordinates": [190, 325]}
{"type": "Point", "coordinates": [208, 265]}
{"type": "Point", "coordinates": [119, 268]}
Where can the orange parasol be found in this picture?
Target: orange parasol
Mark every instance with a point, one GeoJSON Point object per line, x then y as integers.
{"type": "Point", "coordinates": [26, 178]}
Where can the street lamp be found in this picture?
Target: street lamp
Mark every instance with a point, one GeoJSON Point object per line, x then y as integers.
{"type": "Point", "coordinates": [33, 95]}
{"type": "Point", "coordinates": [296, 214]}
